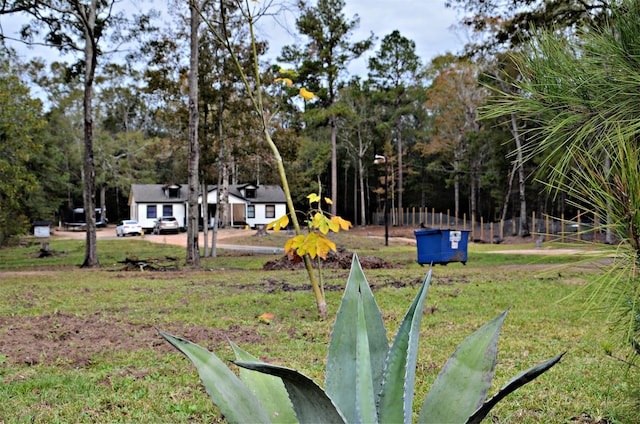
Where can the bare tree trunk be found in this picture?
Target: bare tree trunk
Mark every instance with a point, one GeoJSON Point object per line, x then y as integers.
{"type": "Point", "coordinates": [355, 195]}
{"type": "Point", "coordinates": [223, 193]}
{"type": "Point", "coordinates": [473, 194]}
{"type": "Point", "coordinates": [400, 168]}
{"type": "Point", "coordinates": [193, 249]}
{"type": "Point", "coordinates": [505, 204]}
{"type": "Point", "coordinates": [363, 211]}
{"type": "Point", "coordinates": [223, 172]}
{"type": "Point", "coordinates": [89, 170]}
{"type": "Point", "coordinates": [334, 167]}
{"type": "Point", "coordinates": [456, 192]}
{"type": "Point", "coordinates": [216, 220]}
{"type": "Point", "coordinates": [205, 217]}
{"type": "Point", "coordinates": [524, 228]}
{"type": "Point", "coordinates": [103, 202]}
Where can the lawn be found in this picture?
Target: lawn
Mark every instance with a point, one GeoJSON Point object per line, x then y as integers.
{"type": "Point", "coordinates": [81, 345]}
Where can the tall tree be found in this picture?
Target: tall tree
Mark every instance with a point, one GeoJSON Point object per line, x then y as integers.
{"type": "Point", "coordinates": [323, 59]}
{"type": "Point", "coordinates": [454, 99]}
{"type": "Point", "coordinates": [358, 124]}
{"type": "Point", "coordinates": [74, 26]}
{"type": "Point", "coordinates": [394, 69]}
{"type": "Point", "coordinates": [503, 74]}
{"type": "Point", "coordinates": [193, 249]}
{"type": "Point", "coordinates": [21, 123]}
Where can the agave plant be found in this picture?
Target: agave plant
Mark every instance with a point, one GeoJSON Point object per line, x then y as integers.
{"type": "Point", "coordinates": [367, 381]}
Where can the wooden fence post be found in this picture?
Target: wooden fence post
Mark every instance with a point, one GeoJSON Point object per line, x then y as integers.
{"type": "Point", "coordinates": [473, 227]}
{"type": "Point", "coordinates": [533, 223]}
{"type": "Point", "coordinates": [578, 232]}
{"type": "Point", "coordinates": [546, 223]}
{"type": "Point", "coordinates": [491, 232]}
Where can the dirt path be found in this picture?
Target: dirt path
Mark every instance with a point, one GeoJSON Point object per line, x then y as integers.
{"type": "Point", "coordinates": [179, 239]}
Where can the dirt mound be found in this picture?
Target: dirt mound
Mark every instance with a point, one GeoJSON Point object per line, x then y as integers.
{"type": "Point", "coordinates": [335, 260]}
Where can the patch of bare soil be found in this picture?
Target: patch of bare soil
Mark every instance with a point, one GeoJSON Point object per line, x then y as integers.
{"type": "Point", "coordinates": [68, 340]}
{"type": "Point", "coordinates": [335, 260]}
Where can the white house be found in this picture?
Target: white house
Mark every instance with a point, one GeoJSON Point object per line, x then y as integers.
{"type": "Point", "coordinates": [148, 202]}
{"type": "Point", "coordinates": [249, 204]}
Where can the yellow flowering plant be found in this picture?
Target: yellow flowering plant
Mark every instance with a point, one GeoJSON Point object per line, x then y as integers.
{"type": "Point", "coordinates": [315, 242]}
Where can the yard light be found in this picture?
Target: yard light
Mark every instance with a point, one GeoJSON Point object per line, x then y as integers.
{"type": "Point", "coordinates": [378, 159]}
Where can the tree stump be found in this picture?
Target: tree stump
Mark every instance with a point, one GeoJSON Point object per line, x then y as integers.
{"type": "Point", "coordinates": [261, 230]}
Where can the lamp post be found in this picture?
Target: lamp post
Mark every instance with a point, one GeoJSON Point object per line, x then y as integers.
{"type": "Point", "coordinates": [377, 160]}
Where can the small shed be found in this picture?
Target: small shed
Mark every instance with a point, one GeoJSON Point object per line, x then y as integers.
{"type": "Point", "coordinates": [42, 229]}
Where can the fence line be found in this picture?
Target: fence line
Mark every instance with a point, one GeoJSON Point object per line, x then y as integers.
{"type": "Point", "coordinates": [582, 227]}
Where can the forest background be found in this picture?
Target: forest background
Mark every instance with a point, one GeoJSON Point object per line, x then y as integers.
{"type": "Point", "coordinates": [421, 114]}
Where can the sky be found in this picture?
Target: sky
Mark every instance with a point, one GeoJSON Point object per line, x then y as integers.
{"type": "Point", "coordinates": [428, 23]}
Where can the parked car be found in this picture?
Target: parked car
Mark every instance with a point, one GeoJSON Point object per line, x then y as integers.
{"type": "Point", "coordinates": [128, 226]}
{"type": "Point", "coordinates": [166, 224]}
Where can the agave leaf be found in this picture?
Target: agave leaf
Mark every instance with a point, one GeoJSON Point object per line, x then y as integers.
{"type": "Point", "coordinates": [311, 403]}
{"type": "Point", "coordinates": [464, 382]}
{"type": "Point", "coordinates": [396, 398]}
{"type": "Point", "coordinates": [365, 398]}
{"type": "Point", "coordinates": [515, 383]}
{"type": "Point", "coordinates": [269, 390]}
{"type": "Point", "coordinates": [225, 389]}
{"type": "Point", "coordinates": [340, 377]}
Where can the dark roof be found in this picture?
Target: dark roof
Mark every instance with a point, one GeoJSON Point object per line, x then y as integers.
{"type": "Point", "coordinates": [264, 193]}
{"type": "Point", "coordinates": [149, 193]}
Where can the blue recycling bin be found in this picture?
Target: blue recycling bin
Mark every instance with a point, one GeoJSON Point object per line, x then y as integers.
{"type": "Point", "coordinates": [437, 246]}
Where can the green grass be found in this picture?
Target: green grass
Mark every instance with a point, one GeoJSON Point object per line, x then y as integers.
{"type": "Point", "coordinates": [136, 377]}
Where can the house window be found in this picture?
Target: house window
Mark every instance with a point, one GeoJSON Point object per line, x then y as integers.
{"type": "Point", "coordinates": [251, 211]}
{"type": "Point", "coordinates": [251, 193]}
{"type": "Point", "coordinates": [174, 192]}
{"type": "Point", "coordinates": [151, 211]}
{"type": "Point", "coordinates": [167, 210]}
{"type": "Point", "coordinates": [270, 211]}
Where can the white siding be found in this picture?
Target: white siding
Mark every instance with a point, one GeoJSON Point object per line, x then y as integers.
{"type": "Point", "coordinates": [261, 218]}
{"type": "Point", "coordinates": [139, 213]}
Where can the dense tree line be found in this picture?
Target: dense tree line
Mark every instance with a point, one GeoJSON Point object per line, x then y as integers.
{"type": "Point", "coordinates": [421, 113]}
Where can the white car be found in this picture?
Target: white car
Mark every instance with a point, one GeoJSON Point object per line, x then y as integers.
{"type": "Point", "coordinates": [128, 226]}
{"type": "Point", "coordinates": [166, 224]}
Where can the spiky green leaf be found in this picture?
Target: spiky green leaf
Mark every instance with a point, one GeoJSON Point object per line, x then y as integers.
{"type": "Point", "coordinates": [396, 397]}
{"type": "Point", "coordinates": [464, 382]}
{"type": "Point", "coordinates": [228, 393]}
{"type": "Point", "coordinates": [515, 383]}
{"type": "Point", "coordinates": [269, 389]}
{"type": "Point", "coordinates": [311, 403]}
{"type": "Point", "coordinates": [341, 373]}
{"type": "Point", "coordinates": [365, 395]}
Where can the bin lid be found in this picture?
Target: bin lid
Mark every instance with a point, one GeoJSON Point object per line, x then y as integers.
{"type": "Point", "coordinates": [426, 231]}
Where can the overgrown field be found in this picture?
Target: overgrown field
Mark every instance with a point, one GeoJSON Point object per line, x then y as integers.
{"type": "Point", "coordinates": [80, 345]}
